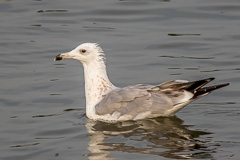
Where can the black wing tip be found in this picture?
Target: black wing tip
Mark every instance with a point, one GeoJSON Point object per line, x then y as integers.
{"type": "Point", "coordinates": [219, 85]}
{"type": "Point", "coordinates": [210, 79]}
{"type": "Point", "coordinates": [207, 80]}
{"type": "Point", "coordinates": [222, 85]}
{"type": "Point", "coordinates": [215, 86]}
{"type": "Point", "coordinates": [206, 90]}
{"type": "Point", "coordinates": [196, 85]}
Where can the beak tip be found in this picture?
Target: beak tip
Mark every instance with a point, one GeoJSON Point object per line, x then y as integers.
{"type": "Point", "coordinates": [58, 58]}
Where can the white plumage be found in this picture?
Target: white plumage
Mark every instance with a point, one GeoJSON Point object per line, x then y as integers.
{"type": "Point", "coordinates": [106, 102]}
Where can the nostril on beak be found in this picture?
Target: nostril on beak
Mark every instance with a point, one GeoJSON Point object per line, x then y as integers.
{"type": "Point", "coordinates": [58, 58]}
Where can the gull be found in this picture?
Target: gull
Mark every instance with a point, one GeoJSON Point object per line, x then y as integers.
{"type": "Point", "coordinates": [108, 103]}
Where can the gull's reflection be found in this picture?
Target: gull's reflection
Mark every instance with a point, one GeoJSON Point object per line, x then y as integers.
{"type": "Point", "coordinates": [166, 137]}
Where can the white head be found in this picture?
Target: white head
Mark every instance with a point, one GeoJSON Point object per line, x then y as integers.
{"type": "Point", "coordinates": [97, 84]}
{"type": "Point", "coordinates": [87, 53]}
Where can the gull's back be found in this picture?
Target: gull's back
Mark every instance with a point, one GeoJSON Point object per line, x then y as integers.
{"type": "Point", "coordinates": [148, 101]}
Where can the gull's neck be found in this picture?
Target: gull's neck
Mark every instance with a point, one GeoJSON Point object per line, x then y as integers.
{"type": "Point", "coordinates": [97, 85]}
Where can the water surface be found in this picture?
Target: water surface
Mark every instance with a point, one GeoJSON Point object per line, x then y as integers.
{"type": "Point", "coordinates": [42, 102]}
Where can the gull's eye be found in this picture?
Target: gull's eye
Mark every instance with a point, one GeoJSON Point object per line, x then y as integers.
{"type": "Point", "coordinates": [83, 51]}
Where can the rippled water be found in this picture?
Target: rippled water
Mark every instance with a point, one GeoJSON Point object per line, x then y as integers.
{"type": "Point", "coordinates": [42, 102]}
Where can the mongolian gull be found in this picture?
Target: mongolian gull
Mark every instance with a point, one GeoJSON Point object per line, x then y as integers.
{"type": "Point", "coordinates": [106, 102]}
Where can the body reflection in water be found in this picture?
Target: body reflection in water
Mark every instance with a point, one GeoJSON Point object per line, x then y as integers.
{"type": "Point", "coordinates": [166, 137]}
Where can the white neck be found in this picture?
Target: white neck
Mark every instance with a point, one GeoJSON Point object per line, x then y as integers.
{"type": "Point", "coordinates": [97, 85]}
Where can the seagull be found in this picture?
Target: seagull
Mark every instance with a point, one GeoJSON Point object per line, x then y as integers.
{"type": "Point", "coordinates": [108, 103]}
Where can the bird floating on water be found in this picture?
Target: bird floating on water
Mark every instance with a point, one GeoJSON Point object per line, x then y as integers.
{"type": "Point", "coordinates": [106, 102]}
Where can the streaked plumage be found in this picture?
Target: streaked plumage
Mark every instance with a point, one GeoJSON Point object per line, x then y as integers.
{"type": "Point", "coordinates": [106, 102]}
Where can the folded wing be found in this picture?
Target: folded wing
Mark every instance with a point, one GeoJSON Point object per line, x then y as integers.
{"type": "Point", "coordinates": [147, 101]}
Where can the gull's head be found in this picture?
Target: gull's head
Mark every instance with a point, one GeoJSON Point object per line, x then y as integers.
{"type": "Point", "coordinates": [86, 53]}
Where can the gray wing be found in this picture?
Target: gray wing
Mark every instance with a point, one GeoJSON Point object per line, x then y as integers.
{"type": "Point", "coordinates": [161, 100]}
{"type": "Point", "coordinates": [139, 99]}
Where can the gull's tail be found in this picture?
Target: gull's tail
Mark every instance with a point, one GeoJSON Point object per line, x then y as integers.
{"type": "Point", "coordinates": [198, 90]}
